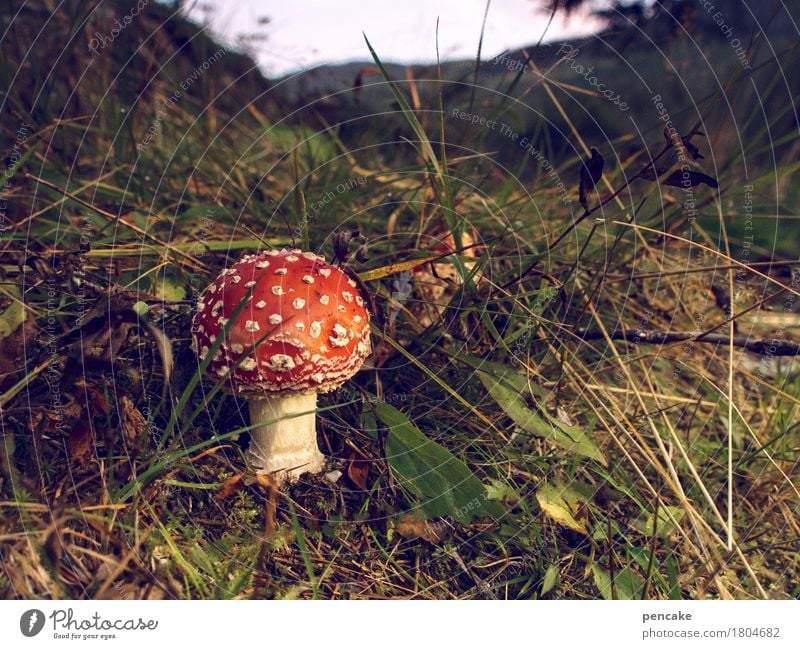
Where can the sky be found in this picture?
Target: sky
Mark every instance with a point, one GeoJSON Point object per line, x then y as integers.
{"type": "Point", "coordinates": [304, 33]}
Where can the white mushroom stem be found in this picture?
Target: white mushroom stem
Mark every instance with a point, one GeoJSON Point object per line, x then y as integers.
{"type": "Point", "coordinates": [285, 445]}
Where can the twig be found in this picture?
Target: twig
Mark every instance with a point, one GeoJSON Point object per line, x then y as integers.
{"type": "Point", "coordinates": [771, 347]}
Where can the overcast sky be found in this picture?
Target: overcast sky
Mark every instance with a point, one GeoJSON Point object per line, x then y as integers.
{"type": "Point", "coordinates": [304, 33]}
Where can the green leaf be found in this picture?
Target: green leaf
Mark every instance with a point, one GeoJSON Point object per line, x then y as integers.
{"type": "Point", "coordinates": [170, 289]}
{"type": "Point", "coordinates": [550, 579]}
{"type": "Point", "coordinates": [508, 388]}
{"type": "Point", "coordinates": [443, 484]}
{"type": "Point", "coordinates": [627, 583]}
{"type": "Point", "coordinates": [500, 491]}
{"type": "Point", "coordinates": [14, 314]}
{"type": "Point", "coordinates": [561, 504]}
{"type": "Point", "coordinates": [668, 516]}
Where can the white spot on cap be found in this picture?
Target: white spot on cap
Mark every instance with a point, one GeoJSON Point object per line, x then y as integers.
{"type": "Point", "coordinates": [222, 371]}
{"type": "Point", "coordinates": [236, 348]}
{"type": "Point", "coordinates": [281, 271]}
{"type": "Point", "coordinates": [222, 322]}
{"type": "Point", "coordinates": [251, 326]}
{"type": "Point", "coordinates": [315, 330]}
{"type": "Point", "coordinates": [341, 308]}
{"type": "Point", "coordinates": [292, 258]}
{"type": "Point", "coordinates": [217, 306]}
{"type": "Point", "coordinates": [236, 279]}
{"type": "Point", "coordinates": [252, 282]}
{"type": "Point", "coordinates": [260, 304]}
{"type": "Point", "coordinates": [356, 318]}
{"type": "Point", "coordinates": [299, 326]}
{"type": "Point", "coordinates": [319, 377]}
{"type": "Point", "coordinates": [347, 297]}
{"type": "Point", "coordinates": [339, 337]}
{"type": "Point", "coordinates": [324, 299]}
{"type": "Point", "coordinates": [359, 301]}
{"type": "Point", "coordinates": [275, 318]}
{"type": "Point", "coordinates": [309, 255]}
{"type": "Point", "coordinates": [281, 363]}
{"type": "Point", "coordinates": [352, 282]}
{"type": "Point", "coordinates": [203, 353]}
{"type": "Point", "coordinates": [277, 290]}
{"type": "Point", "coordinates": [262, 264]}
{"type": "Point", "coordinates": [272, 253]}
{"type": "Point", "coordinates": [212, 288]}
{"type": "Point", "coordinates": [308, 279]}
{"type": "Point", "coordinates": [298, 303]}
{"type": "Point", "coordinates": [325, 272]}
{"type": "Point", "coordinates": [248, 364]}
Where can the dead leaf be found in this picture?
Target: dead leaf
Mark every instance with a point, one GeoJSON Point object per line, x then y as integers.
{"type": "Point", "coordinates": [358, 471]}
{"type": "Point", "coordinates": [591, 172]}
{"type": "Point", "coordinates": [94, 397]}
{"type": "Point", "coordinates": [17, 326]}
{"type": "Point", "coordinates": [132, 421]}
{"type": "Point", "coordinates": [230, 486]}
{"type": "Point", "coordinates": [164, 345]}
{"type": "Point", "coordinates": [266, 481]}
{"type": "Point", "coordinates": [411, 526]}
{"type": "Point", "coordinates": [563, 504]}
{"type": "Point", "coordinates": [81, 441]}
{"type": "Point", "coordinates": [54, 546]}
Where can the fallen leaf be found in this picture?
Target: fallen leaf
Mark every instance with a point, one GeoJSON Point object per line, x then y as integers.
{"type": "Point", "coordinates": [502, 492]}
{"type": "Point", "coordinates": [132, 421]}
{"type": "Point", "coordinates": [12, 313]}
{"type": "Point", "coordinates": [550, 579]}
{"type": "Point", "coordinates": [626, 585]}
{"type": "Point", "coordinates": [93, 396]}
{"type": "Point", "coordinates": [230, 486]}
{"type": "Point", "coordinates": [668, 517]}
{"type": "Point", "coordinates": [441, 482]}
{"type": "Point", "coordinates": [170, 289]}
{"type": "Point", "coordinates": [561, 504]}
{"type": "Point", "coordinates": [81, 440]}
{"type": "Point", "coordinates": [412, 526]}
{"type": "Point", "coordinates": [165, 351]}
{"type": "Point", "coordinates": [508, 388]}
{"type": "Point", "coordinates": [16, 327]}
{"type": "Point", "coordinates": [358, 471]}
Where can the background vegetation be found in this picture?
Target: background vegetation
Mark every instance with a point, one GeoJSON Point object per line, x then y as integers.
{"type": "Point", "coordinates": [505, 441]}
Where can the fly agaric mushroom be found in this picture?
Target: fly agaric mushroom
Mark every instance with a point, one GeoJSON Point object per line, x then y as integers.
{"type": "Point", "coordinates": [303, 330]}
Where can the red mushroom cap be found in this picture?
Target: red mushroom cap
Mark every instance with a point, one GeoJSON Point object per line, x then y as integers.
{"type": "Point", "coordinates": [312, 314]}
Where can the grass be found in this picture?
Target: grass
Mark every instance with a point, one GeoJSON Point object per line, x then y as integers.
{"type": "Point", "coordinates": [602, 466]}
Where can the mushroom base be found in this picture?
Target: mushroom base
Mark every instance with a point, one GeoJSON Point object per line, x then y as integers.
{"type": "Point", "coordinates": [286, 447]}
